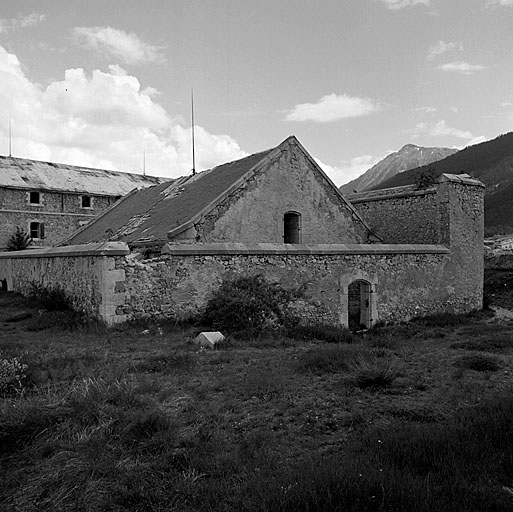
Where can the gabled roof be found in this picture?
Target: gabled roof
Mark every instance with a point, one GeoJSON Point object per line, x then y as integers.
{"type": "Point", "coordinates": [21, 173]}
{"type": "Point", "coordinates": [159, 213]}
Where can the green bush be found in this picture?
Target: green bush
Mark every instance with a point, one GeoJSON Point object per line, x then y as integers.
{"type": "Point", "coordinates": [248, 305]}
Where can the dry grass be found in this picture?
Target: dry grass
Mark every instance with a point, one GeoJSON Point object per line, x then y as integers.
{"type": "Point", "coordinates": [400, 419]}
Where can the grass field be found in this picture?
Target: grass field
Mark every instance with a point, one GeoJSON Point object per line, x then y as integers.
{"type": "Point", "coordinates": [417, 416]}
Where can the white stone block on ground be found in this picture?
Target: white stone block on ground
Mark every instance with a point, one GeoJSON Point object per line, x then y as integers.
{"type": "Point", "coordinates": [209, 339]}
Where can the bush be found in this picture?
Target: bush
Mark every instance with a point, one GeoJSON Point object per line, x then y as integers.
{"type": "Point", "coordinates": [51, 298]}
{"type": "Point", "coordinates": [19, 241]}
{"type": "Point", "coordinates": [250, 305]}
{"type": "Point", "coordinates": [373, 374]}
{"type": "Point", "coordinates": [12, 373]}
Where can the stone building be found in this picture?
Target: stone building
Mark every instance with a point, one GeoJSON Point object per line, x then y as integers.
{"type": "Point", "coordinates": [50, 201]}
{"type": "Point", "coordinates": [162, 251]}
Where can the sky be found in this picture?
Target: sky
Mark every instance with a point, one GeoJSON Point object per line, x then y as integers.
{"type": "Point", "coordinates": [107, 83]}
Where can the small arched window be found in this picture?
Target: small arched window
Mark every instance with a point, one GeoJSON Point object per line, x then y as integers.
{"type": "Point", "coordinates": [292, 228]}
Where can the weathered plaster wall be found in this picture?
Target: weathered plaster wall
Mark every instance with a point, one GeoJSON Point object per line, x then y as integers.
{"type": "Point", "coordinates": [408, 281]}
{"type": "Point", "coordinates": [87, 274]}
{"type": "Point", "coordinates": [61, 214]}
{"type": "Point", "coordinates": [255, 212]}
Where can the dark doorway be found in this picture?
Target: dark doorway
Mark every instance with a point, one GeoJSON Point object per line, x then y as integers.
{"type": "Point", "coordinates": [291, 228]}
{"type": "Point", "coordinates": [359, 306]}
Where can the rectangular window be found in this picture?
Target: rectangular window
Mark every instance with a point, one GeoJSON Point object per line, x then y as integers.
{"type": "Point", "coordinates": [34, 198]}
{"type": "Point", "coordinates": [37, 230]}
{"type": "Point", "coordinates": [86, 201]}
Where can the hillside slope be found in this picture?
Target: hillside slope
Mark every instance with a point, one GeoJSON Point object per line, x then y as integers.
{"type": "Point", "coordinates": [408, 157]}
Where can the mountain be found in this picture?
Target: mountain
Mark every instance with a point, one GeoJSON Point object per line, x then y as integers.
{"type": "Point", "coordinates": [492, 163]}
{"type": "Point", "coordinates": [408, 157]}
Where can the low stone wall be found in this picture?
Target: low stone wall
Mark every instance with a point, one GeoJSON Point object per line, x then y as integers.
{"type": "Point", "coordinates": [406, 280]}
{"type": "Point", "coordinates": [87, 274]}
{"type": "Point", "coordinates": [107, 282]}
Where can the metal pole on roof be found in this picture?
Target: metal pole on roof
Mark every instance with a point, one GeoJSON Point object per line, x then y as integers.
{"type": "Point", "coordinates": [192, 123]}
{"type": "Point", "coordinates": [144, 160]}
{"type": "Point", "coordinates": [10, 135]}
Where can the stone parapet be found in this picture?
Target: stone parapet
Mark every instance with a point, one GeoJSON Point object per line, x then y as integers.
{"type": "Point", "coordinates": [298, 249]}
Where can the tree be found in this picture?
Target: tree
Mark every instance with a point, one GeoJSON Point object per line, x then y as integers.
{"type": "Point", "coordinates": [19, 241]}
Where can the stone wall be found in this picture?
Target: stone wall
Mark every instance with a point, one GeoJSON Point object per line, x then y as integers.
{"type": "Point", "coordinates": [87, 274]}
{"type": "Point", "coordinates": [61, 214]}
{"type": "Point", "coordinates": [401, 215]}
{"type": "Point", "coordinates": [407, 281]}
{"type": "Point", "coordinates": [107, 282]}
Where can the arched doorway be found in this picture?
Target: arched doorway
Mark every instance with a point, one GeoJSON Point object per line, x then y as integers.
{"type": "Point", "coordinates": [359, 305]}
{"type": "Point", "coordinates": [292, 228]}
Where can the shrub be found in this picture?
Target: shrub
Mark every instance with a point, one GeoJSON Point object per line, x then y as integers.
{"type": "Point", "coordinates": [12, 373]}
{"type": "Point", "coordinates": [52, 298]}
{"type": "Point", "coordinates": [373, 373]}
{"type": "Point", "coordinates": [19, 240]}
{"type": "Point", "coordinates": [249, 305]}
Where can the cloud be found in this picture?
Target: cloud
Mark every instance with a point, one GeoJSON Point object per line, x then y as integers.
{"type": "Point", "coordinates": [498, 3]}
{"type": "Point", "coordinates": [425, 110]}
{"type": "Point", "coordinates": [441, 129]}
{"type": "Point", "coordinates": [348, 170]}
{"type": "Point", "coordinates": [461, 67]}
{"type": "Point", "coordinates": [100, 119]}
{"type": "Point", "coordinates": [333, 107]}
{"type": "Point", "coordinates": [442, 47]}
{"type": "Point", "coordinates": [116, 43]}
{"type": "Point", "coordinates": [21, 21]}
{"type": "Point", "coordinates": [395, 5]}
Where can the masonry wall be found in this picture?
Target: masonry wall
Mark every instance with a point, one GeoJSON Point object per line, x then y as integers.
{"type": "Point", "coordinates": [290, 183]}
{"type": "Point", "coordinates": [87, 274]}
{"type": "Point", "coordinates": [105, 281]}
{"type": "Point", "coordinates": [407, 282]}
{"type": "Point", "coordinates": [61, 214]}
{"type": "Point", "coordinates": [401, 215]}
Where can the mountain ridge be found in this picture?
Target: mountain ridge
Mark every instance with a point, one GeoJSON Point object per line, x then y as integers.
{"type": "Point", "coordinates": [408, 157]}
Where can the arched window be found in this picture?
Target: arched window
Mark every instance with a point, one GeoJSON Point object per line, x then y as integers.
{"type": "Point", "coordinates": [292, 228]}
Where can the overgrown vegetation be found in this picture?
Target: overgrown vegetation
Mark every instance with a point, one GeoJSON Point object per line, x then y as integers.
{"type": "Point", "coordinates": [249, 306]}
{"type": "Point", "coordinates": [400, 418]}
{"type": "Point", "coordinates": [19, 240]}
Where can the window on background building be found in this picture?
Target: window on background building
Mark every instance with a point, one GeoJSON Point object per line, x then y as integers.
{"type": "Point", "coordinates": [37, 230]}
{"type": "Point", "coordinates": [291, 228]}
{"type": "Point", "coordinates": [86, 201]}
{"type": "Point", "coordinates": [34, 198]}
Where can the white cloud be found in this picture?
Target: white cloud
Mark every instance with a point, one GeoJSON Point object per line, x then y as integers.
{"type": "Point", "coordinates": [113, 42]}
{"type": "Point", "coordinates": [442, 129]}
{"type": "Point", "coordinates": [461, 67]}
{"type": "Point", "coordinates": [348, 170]}
{"type": "Point", "coordinates": [497, 3]}
{"type": "Point", "coordinates": [21, 21]}
{"type": "Point", "coordinates": [333, 107]}
{"type": "Point", "coordinates": [100, 119]}
{"type": "Point", "coordinates": [425, 110]}
{"type": "Point", "coordinates": [442, 47]}
{"type": "Point", "coordinates": [395, 5]}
